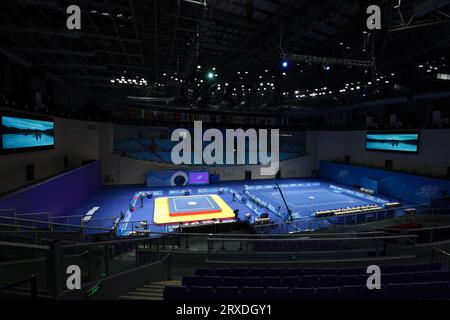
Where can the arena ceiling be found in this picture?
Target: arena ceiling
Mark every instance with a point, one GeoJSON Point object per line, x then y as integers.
{"type": "Point", "coordinates": [226, 55]}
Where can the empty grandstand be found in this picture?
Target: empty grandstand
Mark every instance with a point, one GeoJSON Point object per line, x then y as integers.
{"type": "Point", "coordinates": [189, 152]}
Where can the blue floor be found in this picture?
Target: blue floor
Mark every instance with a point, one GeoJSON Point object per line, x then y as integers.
{"type": "Point", "coordinates": [303, 201]}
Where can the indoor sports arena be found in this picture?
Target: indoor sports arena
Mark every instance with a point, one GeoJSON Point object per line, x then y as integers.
{"type": "Point", "coordinates": [179, 152]}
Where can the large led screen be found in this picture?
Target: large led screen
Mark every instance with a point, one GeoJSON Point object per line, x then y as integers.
{"type": "Point", "coordinates": [401, 142]}
{"type": "Point", "coordinates": [25, 133]}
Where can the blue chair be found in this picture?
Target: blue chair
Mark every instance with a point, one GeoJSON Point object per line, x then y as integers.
{"type": "Point", "coordinates": [204, 272]}
{"type": "Point", "coordinates": [436, 276]}
{"type": "Point", "coordinates": [212, 281]}
{"type": "Point", "coordinates": [251, 282]}
{"type": "Point", "coordinates": [423, 276]}
{"type": "Point", "coordinates": [290, 282]}
{"type": "Point", "coordinates": [437, 291]}
{"type": "Point", "coordinates": [240, 272]}
{"type": "Point", "coordinates": [351, 280]}
{"type": "Point", "coordinates": [223, 272]}
{"type": "Point", "coordinates": [349, 293]}
{"type": "Point", "coordinates": [252, 293]}
{"type": "Point", "coordinates": [309, 282]}
{"type": "Point", "coordinates": [276, 272]}
{"type": "Point", "coordinates": [395, 291]}
{"type": "Point", "coordinates": [201, 293]}
{"type": "Point", "coordinates": [328, 281]}
{"type": "Point", "coordinates": [416, 291]}
{"type": "Point", "coordinates": [277, 293]}
{"type": "Point", "coordinates": [293, 272]}
{"type": "Point", "coordinates": [175, 293]}
{"type": "Point", "coordinates": [258, 272]}
{"type": "Point", "coordinates": [330, 293]}
{"type": "Point", "coordinates": [346, 272]}
{"type": "Point", "coordinates": [227, 293]}
{"type": "Point", "coordinates": [402, 277]}
{"type": "Point", "coordinates": [231, 282]}
{"type": "Point", "coordinates": [310, 272]}
{"type": "Point", "coordinates": [328, 271]}
{"type": "Point", "coordinates": [272, 282]}
{"type": "Point", "coordinates": [303, 293]}
{"type": "Point", "coordinates": [192, 281]}
{"type": "Point", "coordinates": [436, 266]}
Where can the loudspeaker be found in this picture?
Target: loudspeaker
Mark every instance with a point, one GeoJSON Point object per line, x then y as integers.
{"type": "Point", "coordinates": [29, 172]}
{"type": "Point", "coordinates": [278, 175]}
{"type": "Point", "coordinates": [389, 164]}
{"type": "Point", "coordinates": [448, 171]}
{"type": "Point", "coordinates": [248, 175]}
{"type": "Point", "coordinates": [347, 158]}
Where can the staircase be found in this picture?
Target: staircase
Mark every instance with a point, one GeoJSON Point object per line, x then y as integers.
{"type": "Point", "coordinates": [151, 291]}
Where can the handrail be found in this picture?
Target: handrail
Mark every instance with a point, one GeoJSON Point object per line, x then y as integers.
{"type": "Point", "coordinates": [319, 239]}
{"type": "Point", "coordinates": [33, 286]}
{"type": "Point", "coordinates": [34, 213]}
{"type": "Point", "coordinates": [445, 253]}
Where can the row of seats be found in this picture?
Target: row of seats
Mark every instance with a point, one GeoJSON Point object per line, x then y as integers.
{"type": "Point", "coordinates": [402, 291]}
{"type": "Point", "coordinates": [280, 272]}
{"type": "Point", "coordinates": [312, 281]}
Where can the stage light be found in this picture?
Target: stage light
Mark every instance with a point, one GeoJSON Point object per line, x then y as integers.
{"type": "Point", "coordinates": [210, 75]}
{"type": "Point", "coordinates": [285, 64]}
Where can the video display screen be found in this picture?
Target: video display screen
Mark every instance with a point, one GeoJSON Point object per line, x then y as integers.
{"type": "Point", "coordinates": [25, 133]}
{"type": "Point", "coordinates": [401, 142]}
{"type": "Point", "coordinates": [199, 177]}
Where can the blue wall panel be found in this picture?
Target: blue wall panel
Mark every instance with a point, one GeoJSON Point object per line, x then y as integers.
{"type": "Point", "coordinates": [398, 185]}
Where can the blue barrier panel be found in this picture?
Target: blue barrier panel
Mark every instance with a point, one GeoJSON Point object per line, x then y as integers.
{"type": "Point", "coordinates": [402, 186]}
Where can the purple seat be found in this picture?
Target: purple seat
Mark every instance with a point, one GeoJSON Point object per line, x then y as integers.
{"type": "Point", "coordinates": [276, 272]}
{"type": "Point", "coordinates": [328, 281]}
{"type": "Point", "coordinates": [349, 293]}
{"type": "Point", "coordinates": [351, 280]}
{"type": "Point", "coordinates": [402, 277]}
{"type": "Point", "coordinates": [223, 272]}
{"type": "Point", "coordinates": [252, 293]}
{"type": "Point", "coordinates": [423, 276]}
{"type": "Point", "coordinates": [192, 281]}
{"type": "Point", "coordinates": [204, 272]}
{"type": "Point", "coordinates": [290, 282]}
{"type": "Point", "coordinates": [310, 272]}
{"type": "Point", "coordinates": [328, 271]}
{"type": "Point", "coordinates": [347, 272]}
{"type": "Point", "coordinates": [395, 291]}
{"type": "Point", "coordinates": [303, 293]}
{"type": "Point", "coordinates": [309, 282]}
{"type": "Point", "coordinates": [436, 276]}
{"type": "Point", "coordinates": [277, 293]}
{"type": "Point", "coordinates": [201, 293]}
{"type": "Point", "coordinates": [240, 272]}
{"type": "Point", "coordinates": [272, 282]}
{"type": "Point", "coordinates": [227, 293]}
{"type": "Point", "coordinates": [330, 293]}
{"type": "Point", "coordinates": [435, 266]}
{"type": "Point", "coordinates": [231, 282]}
{"type": "Point", "coordinates": [258, 272]}
{"type": "Point", "coordinates": [416, 291]}
{"type": "Point", "coordinates": [293, 272]}
{"type": "Point", "coordinates": [175, 293]}
{"type": "Point", "coordinates": [251, 282]}
{"type": "Point", "coordinates": [212, 281]}
{"type": "Point", "coordinates": [437, 291]}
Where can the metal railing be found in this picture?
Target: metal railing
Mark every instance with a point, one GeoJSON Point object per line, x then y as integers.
{"type": "Point", "coordinates": [439, 255]}
{"type": "Point", "coordinates": [315, 224]}
{"type": "Point", "coordinates": [31, 281]}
